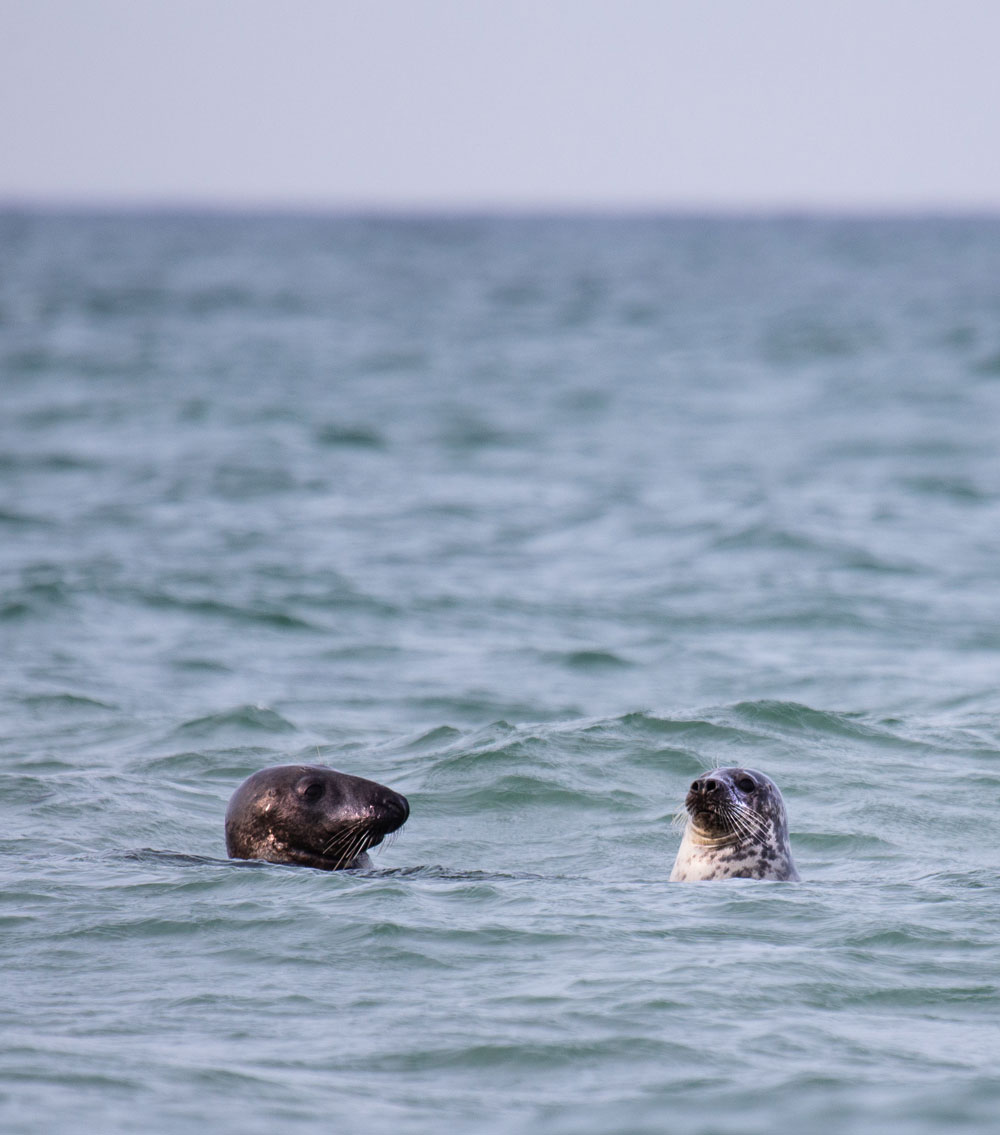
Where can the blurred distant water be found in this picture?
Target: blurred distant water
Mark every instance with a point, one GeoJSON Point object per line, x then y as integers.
{"type": "Point", "coordinates": [531, 519]}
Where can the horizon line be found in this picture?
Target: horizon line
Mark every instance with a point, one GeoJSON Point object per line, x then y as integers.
{"type": "Point", "coordinates": [492, 208]}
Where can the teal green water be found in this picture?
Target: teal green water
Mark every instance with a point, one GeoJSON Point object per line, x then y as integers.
{"type": "Point", "coordinates": [532, 520]}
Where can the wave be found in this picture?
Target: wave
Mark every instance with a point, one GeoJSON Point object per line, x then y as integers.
{"type": "Point", "coordinates": [243, 718]}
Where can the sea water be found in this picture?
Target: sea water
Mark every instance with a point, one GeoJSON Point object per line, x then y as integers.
{"type": "Point", "coordinates": [532, 519]}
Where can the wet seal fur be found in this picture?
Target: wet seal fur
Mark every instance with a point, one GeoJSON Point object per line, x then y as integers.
{"type": "Point", "coordinates": [736, 829]}
{"type": "Point", "coordinates": [311, 815]}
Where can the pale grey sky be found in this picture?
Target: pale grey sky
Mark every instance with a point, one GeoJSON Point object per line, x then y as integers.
{"type": "Point", "coordinates": [733, 104]}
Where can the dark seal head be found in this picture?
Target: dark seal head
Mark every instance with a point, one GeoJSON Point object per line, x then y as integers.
{"type": "Point", "coordinates": [310, 815]}
{"type": "Point", "coordinates": [736, 829]}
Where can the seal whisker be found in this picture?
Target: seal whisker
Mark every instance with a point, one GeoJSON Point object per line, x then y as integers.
{"type": "Point", "coordinates": [756, 825]}
{"type": "Point", "coordinates": [746, 813]}
{"type": "Point", "coordinates": [359, 846]}
{"type": "Point", "coordinates": [747, 824]}
{"type": "Point", "coordinates": [733, 823]}
{"type": "Point", "coordinates": [344, 839]}
{"type": "Point", "coordinates": [362, 841]}
{"type": "Point", "coordinates": [356, 845]}
{"type": "Point", "coordinates": [340, 837]}
{"type": "Point", "coordinates": [339, 855]}
{"type": "Point", "coordinates": [731, 815]}
{"type": "Point", "coordinates": [336, 841]}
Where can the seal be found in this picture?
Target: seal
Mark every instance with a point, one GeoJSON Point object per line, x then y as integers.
{"type": "Point", "coordinates": [736, 829]}
{"type": "Point", "coordinates": [311, 815]}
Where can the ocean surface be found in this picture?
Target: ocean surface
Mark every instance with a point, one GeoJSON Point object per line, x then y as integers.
{"type": "Point", "coordinates": [533, 520]}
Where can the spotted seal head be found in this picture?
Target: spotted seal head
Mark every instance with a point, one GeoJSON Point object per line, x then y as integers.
{"type": "Point", "coordinates": [312, 816]}
{"type": "Point", "coordinates": [736, 829]}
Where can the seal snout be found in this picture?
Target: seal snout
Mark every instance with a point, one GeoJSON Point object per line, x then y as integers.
{"type": "Point", "coordinates": [395, 810]}
{"type": "Point", "coordinates": [705, 785]}
{"type": "Point", "coordinates": [703, 793]}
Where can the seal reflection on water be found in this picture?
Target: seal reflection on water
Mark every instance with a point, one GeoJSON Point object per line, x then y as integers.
{"type": "Point", "coordinates": [310, 815]}
{"type": "Point", "coordinates": [736, 829]}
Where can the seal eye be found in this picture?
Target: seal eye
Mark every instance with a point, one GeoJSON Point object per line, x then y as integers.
{"type": "Point", "coordinates": [314, 791]}
{"type": "Point", "coordinates": [745, 784]}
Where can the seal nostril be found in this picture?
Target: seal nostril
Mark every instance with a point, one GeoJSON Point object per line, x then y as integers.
{"type": "Point", "coordinates": [696, 786]}
{"type": "Point", "coordinates": [711, 785]}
